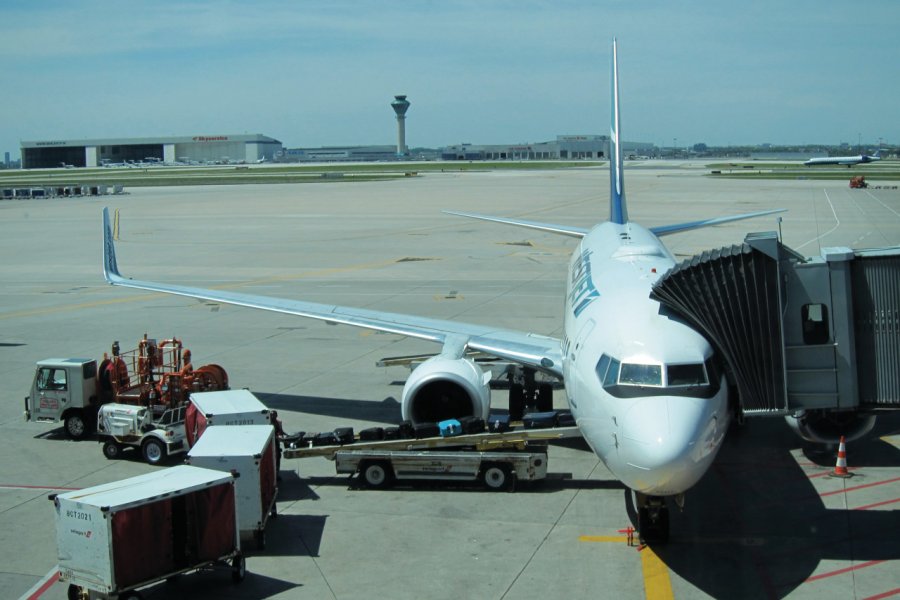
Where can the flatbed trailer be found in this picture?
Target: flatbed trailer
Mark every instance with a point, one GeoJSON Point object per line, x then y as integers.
{"type": "Point", "coordinates": [497, 459]}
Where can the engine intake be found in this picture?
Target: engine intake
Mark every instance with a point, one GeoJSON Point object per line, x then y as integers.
{"type": "Point", "coordinates": [446, 388]}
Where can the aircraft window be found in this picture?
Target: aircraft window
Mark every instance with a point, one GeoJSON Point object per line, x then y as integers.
{"type": "Point", "coordinates": [637, 374]}
{"type": "Point", "coordinates": [612, 373]}
{"type": "Point", "coordinates": [602, 366]}
{"type": "Point", "coordinates": [815, 323]}
{"type": "Point", "coordinates": [679, 375]}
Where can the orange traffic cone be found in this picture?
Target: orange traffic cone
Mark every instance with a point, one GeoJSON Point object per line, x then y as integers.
{"type": "Point", "coordinates": [840, 468]}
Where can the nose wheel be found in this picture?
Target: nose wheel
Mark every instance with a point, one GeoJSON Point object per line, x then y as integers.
{"type": "Point", "coordinates": [652, 518]}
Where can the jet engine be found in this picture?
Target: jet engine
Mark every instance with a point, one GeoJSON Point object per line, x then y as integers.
{"type": "Point", "coordinates": [446, 388]}
{"type": "Point", "coordinates": [827, 426]}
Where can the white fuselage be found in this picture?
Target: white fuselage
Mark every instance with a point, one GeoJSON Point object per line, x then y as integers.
{"type": "Point", "coordinates": [655, 422]}
{"type": "Point", "coordinates": [842, 160]}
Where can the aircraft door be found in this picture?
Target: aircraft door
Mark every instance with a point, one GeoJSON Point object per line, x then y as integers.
{"type": "Point", "coordinates": [50, 393]}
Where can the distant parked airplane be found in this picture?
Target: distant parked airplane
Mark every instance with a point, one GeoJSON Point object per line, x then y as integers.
{"type": "Point", "coordinates": [844, 160]}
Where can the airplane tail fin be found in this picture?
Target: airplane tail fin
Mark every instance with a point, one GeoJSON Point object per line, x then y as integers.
{"type": "Point", "coordinates": [618, 211]}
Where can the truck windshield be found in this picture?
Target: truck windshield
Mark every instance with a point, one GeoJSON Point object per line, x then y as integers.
{"type": "Point", "coordinates": [52, 379]}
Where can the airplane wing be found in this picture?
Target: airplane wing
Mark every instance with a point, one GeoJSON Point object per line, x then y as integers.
{"type": "Point", "coordinates": [667, 229]}
{"type": "Point", "coordinates": [538, 351]}
{"type": "Point", "coordinates": [578, 232]}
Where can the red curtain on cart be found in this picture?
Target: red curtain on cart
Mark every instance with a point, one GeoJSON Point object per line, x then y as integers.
{"type": "Point", "coordinates": [267, 475]}
{"type": "Point", "coordinates": [142, 546]}
{"type": "Point", "coordinates": [194, 424]}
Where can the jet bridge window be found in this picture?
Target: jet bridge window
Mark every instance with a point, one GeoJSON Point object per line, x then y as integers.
{"type": "Point", "coordinates": [815, 323]}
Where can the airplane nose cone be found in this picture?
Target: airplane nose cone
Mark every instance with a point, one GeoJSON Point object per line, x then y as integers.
{"type": "Point", "coordinates": [659, 439]}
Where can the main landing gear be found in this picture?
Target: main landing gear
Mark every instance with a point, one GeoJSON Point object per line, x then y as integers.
{"type": "Point", "coordinates": [652, 518]}
{"type": "Point", "coordinates": [527, 394]}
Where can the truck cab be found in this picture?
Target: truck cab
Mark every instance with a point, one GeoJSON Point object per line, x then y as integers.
{"type": "Point", "coordinates": [65, 390]}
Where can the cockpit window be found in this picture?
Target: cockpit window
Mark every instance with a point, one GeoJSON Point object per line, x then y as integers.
{"type": "Point", "coordinates": [626, 380]}
{"type": "Point", "coordinates": [602, 366]}
{"type": "Point", "coordinates": [612, 373]}
{"type": "Point", "coordinates": [639, 374]}
{"type": "Point", "coordinates": [690, 374]}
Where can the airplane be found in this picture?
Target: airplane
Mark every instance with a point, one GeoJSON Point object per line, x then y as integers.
{"type": "Point", "coordinates": [647, 391]}
{"type": "Point", "coordinates": [844, 160]}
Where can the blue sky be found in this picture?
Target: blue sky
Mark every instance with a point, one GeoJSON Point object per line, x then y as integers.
{"type": "Point", "coordinates": [314, 73]}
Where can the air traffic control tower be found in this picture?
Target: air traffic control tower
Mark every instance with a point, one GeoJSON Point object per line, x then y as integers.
{"type": "Point", "coordinates": [400, 106]}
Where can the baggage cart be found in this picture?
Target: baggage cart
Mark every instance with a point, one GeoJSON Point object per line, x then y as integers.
{"type": "Point", "coordinates": [230, 407]}
{"type": "Point", "coordinates": [120, 536]}
{"type": "Point", "coordinates": [251, 452]}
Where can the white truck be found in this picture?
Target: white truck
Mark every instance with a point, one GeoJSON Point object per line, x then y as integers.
{"type": "Point", "coordinates": [158, 432]}
{"type": "Point", "coordinates": [120, 536]}
{"type": "Point", "coordinates": [64, 390]}
{"type": "Point", "coordinates": [71, 390]}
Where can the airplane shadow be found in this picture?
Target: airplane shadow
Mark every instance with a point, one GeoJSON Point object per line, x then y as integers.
{"type": "Point", "coordinates": [756, 527]}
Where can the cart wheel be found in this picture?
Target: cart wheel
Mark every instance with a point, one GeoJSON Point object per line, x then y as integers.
{"type": "Point", "coordinates": [376, 474]}
{"type": "Point", "coordinates": [112, 450]}
{"type": "Point", "coordinates": [260, 535]}
{"type": "Point", "coordinates": [497, 477]}
{"type": "Point", "coordinates": [153, 450]}
{"type": "Point", "coordinates": [238, 569]}
{"type": "Point", "coordinates": [74, 592]}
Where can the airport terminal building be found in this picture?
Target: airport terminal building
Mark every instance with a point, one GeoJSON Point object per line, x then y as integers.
{"type": "Point", "coordinates": [190, 149]}
{"type": "Point", "coordinates": [565, 147]}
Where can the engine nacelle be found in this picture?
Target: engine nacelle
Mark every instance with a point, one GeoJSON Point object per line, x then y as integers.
{"type": "Point", "coordinates": [827, 426]}
{"type": "Point", "coordinates": [446, 388]}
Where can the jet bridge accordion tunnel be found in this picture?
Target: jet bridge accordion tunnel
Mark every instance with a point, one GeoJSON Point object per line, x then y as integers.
{"type": "Point", "coordinates": [798, 334]}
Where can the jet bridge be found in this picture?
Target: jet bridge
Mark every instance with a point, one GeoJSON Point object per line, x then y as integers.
{"type": "Point", "coordinates": [798, 334]}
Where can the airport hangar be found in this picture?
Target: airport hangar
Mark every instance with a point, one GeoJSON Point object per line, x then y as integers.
{"type": "Point", "coordinates": [188, 149]}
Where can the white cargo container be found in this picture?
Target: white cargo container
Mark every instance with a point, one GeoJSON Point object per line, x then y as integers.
{"type": "Point", "coordinates": [230, 407]}
{"type": "Point", "coordinates": [119, 536]}
{"type": "Point", "coordinates": [249, 451]}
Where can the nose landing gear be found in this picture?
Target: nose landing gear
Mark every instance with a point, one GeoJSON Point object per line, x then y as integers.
{"type": "Point", "coordinates": [652, 518]}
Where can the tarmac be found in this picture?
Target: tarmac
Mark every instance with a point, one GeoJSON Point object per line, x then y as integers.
{"type": "Point", "coordinates": [765, 522]}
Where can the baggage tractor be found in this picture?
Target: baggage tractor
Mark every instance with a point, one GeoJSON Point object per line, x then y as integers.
{"type": "Point", "coordinates": [344, 435]}
{"type": "Point", "coordinates": [450, 427]}
{"type": "Point", "coordinates": [372, 434]}
{"type": "Point", "coordinates": [498, 423]}
{"type": "Point", "coordinates": [426, 430]}
{"type": "Point", "coordinates": [472, 424]}
{"type": "Point", "coordinates": [539, 420]}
